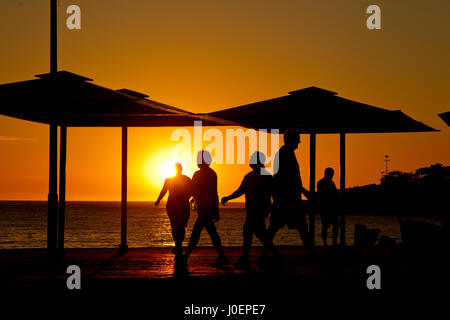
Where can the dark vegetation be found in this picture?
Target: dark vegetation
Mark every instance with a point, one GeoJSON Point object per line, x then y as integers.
{"type": "Point", "coordinates": [424, 192]}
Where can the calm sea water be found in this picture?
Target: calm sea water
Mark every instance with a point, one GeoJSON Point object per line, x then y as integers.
{"type": "Point", "coordinates": [97, 224]}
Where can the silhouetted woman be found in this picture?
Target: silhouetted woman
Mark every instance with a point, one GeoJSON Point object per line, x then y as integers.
{"type": "Point", "coordinates": [178, 206]}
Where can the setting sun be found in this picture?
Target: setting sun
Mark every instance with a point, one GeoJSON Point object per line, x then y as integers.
{"type": "Point", "coordinates": [168, 170]}
{"type": "Point", "coordinates": [161, 165]}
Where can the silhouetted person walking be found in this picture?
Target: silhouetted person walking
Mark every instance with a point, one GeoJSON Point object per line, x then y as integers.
{"type": "Point", "coordinates": [204, 183]}
{"type": "Point", "coordinates": [328, 205]}
{"type": "Point", "coordinates": [287, 204]}
{"type": "Point", "coordinates": [178, 206]}
{"type": "Point", "coordinates": [257, 186]}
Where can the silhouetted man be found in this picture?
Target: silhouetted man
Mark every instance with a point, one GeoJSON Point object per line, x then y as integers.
{"type": "Point", "coordinates": [287, 206]}
{"type": "Point", "coordinates": [257, 186]}
{"type": "Point", "coordinates": [178, 207]}
{"type": "Point", "coordinates": [204, 183]}
{"type": "Point", "coordinates": [328, 202]}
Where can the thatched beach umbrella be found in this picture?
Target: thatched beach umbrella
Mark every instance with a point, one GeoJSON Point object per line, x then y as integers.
{"type": "Point", "coordinates": [68, 100]}
{"type": "Point", "coordinates": [313, 111]}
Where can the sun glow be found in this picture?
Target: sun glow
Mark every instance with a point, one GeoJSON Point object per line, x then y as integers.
{"type": "Point", "coordinates": [161, 165]}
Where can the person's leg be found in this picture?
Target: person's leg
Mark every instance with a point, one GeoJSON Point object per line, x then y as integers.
{"type": "Point", "coordinates": [259, 230]}
{"type": "Point", "coordinates": [247, 234]}
{"type": "Point", "coordinates": [248, 237]}
{"type": "Point", "coordinates": [181, 225]}
{"type": "Point", "coordinates": [179, 235]}
{"type": "Point", "coordinates": [269, 236]}
{"type": "Point", "coordinates": [173, 228]}
{"type": "Point", "coordinates": [302, 228]}
{"type": "Point", "coordinates": [335, 231]}
{"type": "Point", "coordinates": [195, 236]}
{"type": "Point", "coordinates": [215, 238]}
{"type": "Point", "coordinates": [324, 231]}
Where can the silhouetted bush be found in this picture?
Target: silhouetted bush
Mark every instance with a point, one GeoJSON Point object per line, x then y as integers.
{"type": "Point", "coordinates": [424, 192]}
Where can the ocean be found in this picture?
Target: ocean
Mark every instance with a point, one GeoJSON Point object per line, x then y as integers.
{"type": "Point", "coordinates": [23, 224]}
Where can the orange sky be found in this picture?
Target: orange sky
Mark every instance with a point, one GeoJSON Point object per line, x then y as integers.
{"type": "Point", "coordinates": [208, 55]}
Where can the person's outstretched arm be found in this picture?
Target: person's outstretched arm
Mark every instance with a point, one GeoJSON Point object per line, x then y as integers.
{"type": "Point", "coordinates": [162, 193]}
{"type": "Point", "coordinates": [236, 194]}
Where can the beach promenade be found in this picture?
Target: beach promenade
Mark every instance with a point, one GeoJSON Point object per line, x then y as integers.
{"type": "Point", "coordinates": [27, 267]}
{"type": "Point", "coordinates": [145, 281]}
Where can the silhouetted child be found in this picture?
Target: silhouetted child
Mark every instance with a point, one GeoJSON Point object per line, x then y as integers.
{"type": "Point", "coordinates": [257, 186]}
{"type": "Point", "coordinates": [178, 207]}
{"type": "Point", "coordinates": [204, 183]}
{"type": "Point", "coordinates": [328, 205]}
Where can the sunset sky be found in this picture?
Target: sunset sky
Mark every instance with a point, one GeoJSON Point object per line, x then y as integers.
{"type": "Point", "coordinates": [207, 55]}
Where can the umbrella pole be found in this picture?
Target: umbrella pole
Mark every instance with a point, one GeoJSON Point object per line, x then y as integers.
{"type": "Point", "coordinates": [52, 205]}
{"type": "Point", "coordinates": [312, 184]}
{"type": "Point", "coordinates": [53, 36]}
{"type": "Point", "coordinates": [123, 225]}
{"type": "Point", "coordinates": [62, 186]}
{"type": "Point", "coordinates": [52, 189]}
{"type": "Point", "coordinates": [342, 184]}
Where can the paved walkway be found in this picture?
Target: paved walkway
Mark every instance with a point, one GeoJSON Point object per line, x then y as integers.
{"type": "Point", "coordinates": [158, 263]}
{"type": "Point", "coordinates": [146, 280]}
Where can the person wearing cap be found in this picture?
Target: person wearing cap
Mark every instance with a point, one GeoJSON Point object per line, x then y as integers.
{"type": "Point", "coordinates": [287, 203]}
{"type": "Point", "coordinates": [257, 186]}
{"type": "Point", "coordinates": [206, 199]}
{"type": "Point", "coordinates": [178, 207]}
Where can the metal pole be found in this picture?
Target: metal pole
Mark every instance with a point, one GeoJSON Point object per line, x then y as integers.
{"type": "Point", "coordinates": [342, 184]}
{"type": "Point", "coordinates": [52, 189]}
{"type": "Point", "coordinates": [62, 186]}
{"type": "Point", "coordinates": [123, 243]}
{"type": "Point", "coordinates": [53, 146]}
{"type": "Point", "coordinates": [312, 184]}
{"type": "Point", "coordinates": [53, 37]}
{"type": "Point", "coordinates": [386, 159]}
